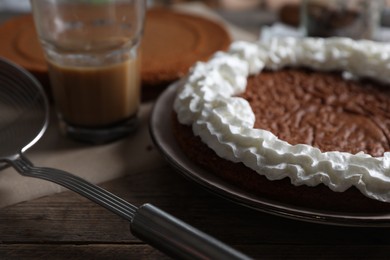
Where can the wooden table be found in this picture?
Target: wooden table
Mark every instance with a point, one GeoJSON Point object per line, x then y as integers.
{"type": "Point", "coordinates": [67, 226]}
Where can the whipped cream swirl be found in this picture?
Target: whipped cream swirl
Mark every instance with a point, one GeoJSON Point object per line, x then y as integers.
{"type": "Point", "coordinates": [207, 100]}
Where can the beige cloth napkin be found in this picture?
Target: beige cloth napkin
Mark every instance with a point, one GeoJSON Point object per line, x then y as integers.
{"type": "Point", "coordinates": [96, 164]}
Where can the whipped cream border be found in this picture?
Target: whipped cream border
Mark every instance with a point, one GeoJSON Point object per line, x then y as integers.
{"type": "Point", "coordinates": [207, 100]}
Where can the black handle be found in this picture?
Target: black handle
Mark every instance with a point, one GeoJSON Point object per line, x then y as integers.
{"type": "Point", "coordinates": [176, 238]}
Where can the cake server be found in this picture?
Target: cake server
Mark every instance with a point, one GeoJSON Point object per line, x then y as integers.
{"type": "Point", "coordinates": [24, 113]}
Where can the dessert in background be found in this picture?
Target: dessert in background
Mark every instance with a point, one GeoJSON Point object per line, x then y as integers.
{"type": "Point", "coordinates": [172, 43]}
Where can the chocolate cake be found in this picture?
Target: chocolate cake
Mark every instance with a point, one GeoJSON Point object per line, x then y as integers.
{"type": "Point", "coordinates": [322, 109]}
{"type": "Point", "coordinates": [318, 134]}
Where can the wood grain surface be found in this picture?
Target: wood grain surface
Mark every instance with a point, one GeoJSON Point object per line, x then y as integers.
{"type": "Point", "coordinates": [67, 226]}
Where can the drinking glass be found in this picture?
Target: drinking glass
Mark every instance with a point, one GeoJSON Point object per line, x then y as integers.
{"type": "Point", "coordinates": [357, 19]}
{"type": "Point", "coordinates": [92, 51]}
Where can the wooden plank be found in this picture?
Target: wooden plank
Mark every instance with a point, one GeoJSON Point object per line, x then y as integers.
{"type": "Point", "coordinates": [110, 251]}
{"type": "Point", "coordinates": [101, 251]}
{"type": "Point", "coordinates": [67, 221]}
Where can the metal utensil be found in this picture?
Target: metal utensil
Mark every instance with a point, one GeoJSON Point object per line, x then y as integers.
{"type": "Point", "coordinates": [24, 119]}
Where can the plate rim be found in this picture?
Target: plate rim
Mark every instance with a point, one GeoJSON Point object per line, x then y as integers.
{"type": "Point", "coordinates": [161, 134]}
